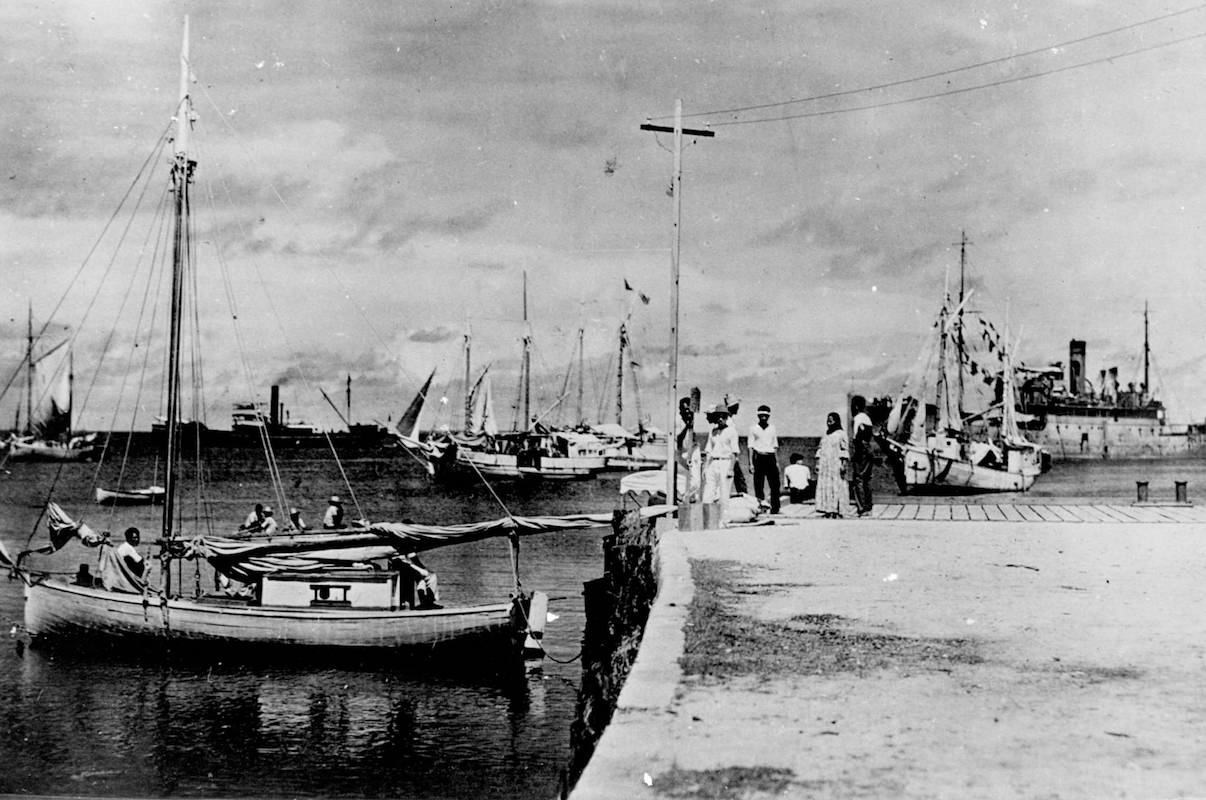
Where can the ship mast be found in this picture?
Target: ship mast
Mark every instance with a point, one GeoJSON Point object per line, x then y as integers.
{"type": "Point", "coordinates": [29, 367]}
{"type": "Point", "coordinates": [182, 169]}
{"type": "Point", "coordinates": [1147, 386]}
{"type": "Point", "coordinates": [526, 386]}
{"type": "Point", "coordinates": [620, 373]}
{"type": "Point", "coordinates": [581, 376]}
{"type": "Point", "coordinates": [468, 393]}
{"type": "Point", "coordinates": [959, 345]}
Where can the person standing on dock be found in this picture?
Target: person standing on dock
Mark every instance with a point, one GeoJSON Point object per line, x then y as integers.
{"type": "Point", "coordinates": [862, 463]}
{"type": "Point", "coordinates": [833, 463]}
{"type": "Point", "coordinates": [720, 454]}
{"type": "Point", "coordinates": [763, 444]}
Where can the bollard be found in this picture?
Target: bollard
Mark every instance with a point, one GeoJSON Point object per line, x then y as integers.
{"type": "Point", "coordinates": [1182, 492]}
{"type": "Point", "coordinates": [1141, 491]}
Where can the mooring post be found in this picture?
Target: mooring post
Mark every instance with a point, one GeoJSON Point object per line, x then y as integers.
{"type": "Point", "coordinates": [1141, 491]}
{"type": "Point", "coordinates": [1182, 492]}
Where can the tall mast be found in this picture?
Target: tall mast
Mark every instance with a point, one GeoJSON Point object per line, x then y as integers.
{"type": "Point", "coordinates": [70, 390]}
{"type": "Point", "coordinates": [581, 375]}
{"type": "Point", "coordinates": [1147, 386]}
{"type": "Point", "coordinates": [29, 373]}
{"type": "Point", "coordinates": [620, 373]}
{"type": "Point", "coordinates": [182, 169]}
{"type": "Point", "coordinates": [349, 392]}
{"type": "Point", "coordinates": [526, 386]}
{"type": "Point", "coordinates": [959, 339]}
{"type": "Point", "coordinates": [468, 394]}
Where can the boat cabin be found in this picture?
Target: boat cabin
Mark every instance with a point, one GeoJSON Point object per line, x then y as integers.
{"type": "Point", "coordinates": [351, 587]}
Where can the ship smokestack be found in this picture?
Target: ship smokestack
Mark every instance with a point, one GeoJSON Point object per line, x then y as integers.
{"type": "Point", "coordinates": [1076, 367]}
{"type": "Point", "coordinates": [274, 406]}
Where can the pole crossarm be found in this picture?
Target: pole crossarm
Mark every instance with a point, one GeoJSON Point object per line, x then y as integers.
{"type": "Point", "coordinates": [670, 129]}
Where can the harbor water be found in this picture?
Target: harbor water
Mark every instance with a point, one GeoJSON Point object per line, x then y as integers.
{"type": "Point", "coordinates": [98, 721]}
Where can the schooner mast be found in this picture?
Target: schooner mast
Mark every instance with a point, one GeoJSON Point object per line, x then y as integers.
{"type": "Point", "coordinates": [182, 173]}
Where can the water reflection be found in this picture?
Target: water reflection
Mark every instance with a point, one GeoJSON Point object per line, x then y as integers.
{"type": "Point", "coordinates": [254, 729]}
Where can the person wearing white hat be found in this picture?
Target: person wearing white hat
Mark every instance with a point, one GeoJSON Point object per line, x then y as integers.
{"type": "Point", "coordinates": [333, 519]}
{"type": "Point", "coordinates": [720, 453]}
{"type": "Point", "coordinates": [268, 525]}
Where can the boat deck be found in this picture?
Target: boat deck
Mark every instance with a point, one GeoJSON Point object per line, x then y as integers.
{"type": "Point", "coordinates": [1051, 511]}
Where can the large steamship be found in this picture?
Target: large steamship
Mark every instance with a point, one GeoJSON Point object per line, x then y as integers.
{"type": "Point", "coordinates": [1073, 419]}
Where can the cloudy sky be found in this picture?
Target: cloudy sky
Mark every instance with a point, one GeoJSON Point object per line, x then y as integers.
{"type": "Point", "coordinates": [383, 175]}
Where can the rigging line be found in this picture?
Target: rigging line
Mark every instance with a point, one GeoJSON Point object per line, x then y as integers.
{"type": "Point", "coordinates": [966, 89]}
{"type": "Point", "coordinates": [96, 244]}
{"type": "Point", "coordinates": [945, 72]}
{"type": "Point", "coordinates": [347, 293]}
{"type": "Point", "coordinates": [241, 346]}
{"type": "Point", "coordinates": [161, 216]}
{"type": "Point", "coordinates": [104, 276]}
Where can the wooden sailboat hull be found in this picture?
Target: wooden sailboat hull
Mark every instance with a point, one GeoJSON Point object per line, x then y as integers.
{"type": "Point", "coordinates": [929, 470]}
{"type": "Point", "coordinates": [49, 451]}
{"type": "Point", "coordinates": [133, 497]}
{"type": "Point", "coordinates": [506, 465]}
{"type": "Point", "coordinates": [55, 610]}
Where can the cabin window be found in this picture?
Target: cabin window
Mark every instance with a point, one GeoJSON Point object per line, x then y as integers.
{"type": "Point", "coordinates": [329, 595]}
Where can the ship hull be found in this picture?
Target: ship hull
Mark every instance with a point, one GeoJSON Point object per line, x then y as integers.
{"type": "Point", "coordinates": [59, 611]}
{"type": "Point", "coordinates": [919, 470]}
{"type": "Point", "coordinates": [1070, 437]}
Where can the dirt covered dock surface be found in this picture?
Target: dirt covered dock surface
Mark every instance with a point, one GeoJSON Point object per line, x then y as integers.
{"type": "Point", "coordinates": [874, 658]}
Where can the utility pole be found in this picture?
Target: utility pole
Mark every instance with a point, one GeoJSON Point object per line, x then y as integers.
{"type": "Point", "coordinates": [676, 188]}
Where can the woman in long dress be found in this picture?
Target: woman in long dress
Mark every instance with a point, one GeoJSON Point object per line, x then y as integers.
{"type": "Point", "coordinates": [833, 493]}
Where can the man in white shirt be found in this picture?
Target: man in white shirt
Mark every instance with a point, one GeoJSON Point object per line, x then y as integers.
{"type": "Point", "coordinates": [763, 444]}
{"type": "Point", "coordinates": [720, 453]}
{"type": "Point", "coordinates": [333, 519]}
{"type": "Point", "coordinates": [127, 551]}
{"type": "Point", "coordinates": [798, 478]}
{"type": "Point", "coordinates": [268, 524]}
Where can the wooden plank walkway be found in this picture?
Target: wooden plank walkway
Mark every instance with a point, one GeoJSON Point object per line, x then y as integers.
{"type": "Point", "coordinates": [1045, 513]}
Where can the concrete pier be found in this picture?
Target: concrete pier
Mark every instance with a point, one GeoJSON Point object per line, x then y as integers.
{"type": "Point", "coordinates": [1060, 655]}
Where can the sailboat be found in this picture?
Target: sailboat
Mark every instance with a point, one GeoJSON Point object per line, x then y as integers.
{"type": "Point", "coordinates": [354, 589]}
{"type": "Point", "coordinates": [624, 449]}
{"type": "Point", "coordinates": [48, 435]}
{"type": "Point", "coordinates": [944, 446]}
{"type": "Point", "coordinates": [533, 450]}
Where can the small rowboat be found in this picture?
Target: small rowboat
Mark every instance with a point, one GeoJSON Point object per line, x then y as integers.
{"type": "Point", "coordinates": [130, 497]}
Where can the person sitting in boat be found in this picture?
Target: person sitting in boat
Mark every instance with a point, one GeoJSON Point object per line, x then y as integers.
{"type": "Point", "coordinates": [296, 523]}
{"type": "Point", "coordinates": [333, 519]}
{"type": "Point", "coordinates": [127, 551]}
{"type": "Point", "coordinates": [255, 519]}
{"type": "Point", "coordinates": [268, 526]}
{"type": "Point", "coordinates": [426, 592]}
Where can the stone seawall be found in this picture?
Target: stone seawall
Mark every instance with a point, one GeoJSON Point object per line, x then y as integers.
{"type": "Point", "coordinates": [617, 607]}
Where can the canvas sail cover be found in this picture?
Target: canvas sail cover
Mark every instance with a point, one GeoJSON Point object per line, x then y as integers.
{"type": "Point", "coordinates": [111, 568]}
{"type": "Point", "coordinates": [248, 559]}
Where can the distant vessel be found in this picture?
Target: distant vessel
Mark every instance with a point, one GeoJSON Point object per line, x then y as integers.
{"type": "Point", "coordinates": [1073, 419]}
{"type": "Point", "coordinates": [48, 435]}
{"type": "Point", "coordinates": [945, 446]}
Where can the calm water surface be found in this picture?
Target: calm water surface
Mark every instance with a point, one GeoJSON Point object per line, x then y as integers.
{"type": "Point", "coordinates": [89, 722]}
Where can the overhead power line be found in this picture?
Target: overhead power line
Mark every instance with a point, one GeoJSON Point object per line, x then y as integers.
{"type": "Point", "coordinates": [953, 71]}
{"type": "Point", "coordinates": [965, 89]}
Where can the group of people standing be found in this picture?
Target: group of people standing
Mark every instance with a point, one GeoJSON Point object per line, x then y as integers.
{"type": "Point", "coordinates": [844, 465]}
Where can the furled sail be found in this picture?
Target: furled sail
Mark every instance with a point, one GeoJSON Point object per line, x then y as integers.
{"type": "Point", "coordinates": [248, 559]}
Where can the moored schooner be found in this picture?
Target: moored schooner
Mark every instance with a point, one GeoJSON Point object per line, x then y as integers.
{"type": "Point", "coordinates": [945, 445]}
{"type": "Point", "coordinates": [354, 587]}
